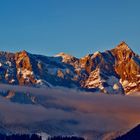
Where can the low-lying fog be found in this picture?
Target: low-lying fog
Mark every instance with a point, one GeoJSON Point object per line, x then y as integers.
{"type": "Point", "coordinates": [65, 111]}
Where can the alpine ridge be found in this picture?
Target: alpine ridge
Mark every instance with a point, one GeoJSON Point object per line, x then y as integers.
{"type": "Point", "coordinates": [115, 71]}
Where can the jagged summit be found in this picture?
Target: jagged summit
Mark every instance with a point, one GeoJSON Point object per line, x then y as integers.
{"type": "Point", "coordinates": [66, 57]}
{"type": "Point", "coordinates": [123, 52]}
{"type": "Point", "coordinates": [113, 71]}
{"type": "Point", "coordinates": [62, 54]}
{"type": "Point", "coordinates": [96, 53]}
{"type": "Point", "coordinates": [123, 46]}
{"type": "Point", "coordinates": [123, 43]}
{"type": "Point", "coordinates": [23, 52]}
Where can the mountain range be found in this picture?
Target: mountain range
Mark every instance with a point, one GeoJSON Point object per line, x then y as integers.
{"type": "Point", "coordinates": [115, 71]}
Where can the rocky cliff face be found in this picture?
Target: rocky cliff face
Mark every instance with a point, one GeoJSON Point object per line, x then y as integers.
{"type": "Point", "coordinates": [115, 71]}
{"type": "Point", "coordinates": [127, 66]}
{"type": "Point", "coordinates": [24, 70]}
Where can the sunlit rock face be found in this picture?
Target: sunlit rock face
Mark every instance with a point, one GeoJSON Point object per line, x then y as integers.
{"type": "Point", "coordinates": [115, 71]}
{"type": "Point", "coordinates": [127, 66]}
{"type": "Point", "coordinates": [102, 74]}
{"type": "Point", "coordinates": [25, 73]}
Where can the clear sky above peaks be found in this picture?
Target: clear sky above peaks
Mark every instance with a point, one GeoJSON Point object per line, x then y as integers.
{"type": "Point", "coordinates": [77, 27]}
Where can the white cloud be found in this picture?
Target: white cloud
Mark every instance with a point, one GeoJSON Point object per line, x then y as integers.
{"type": "Point", "coordinates": [66, 111]}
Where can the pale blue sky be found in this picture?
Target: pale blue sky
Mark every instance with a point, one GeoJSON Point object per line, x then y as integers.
{"type": "Point", "coordinates": [77, 27]}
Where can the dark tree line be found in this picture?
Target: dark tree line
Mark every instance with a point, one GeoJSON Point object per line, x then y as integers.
{"type": "Point", "coordinates": [20, 137]}
{"type": "Point", "coordinates": [36, 137]}
{"type": "Point", "coordinates": [65, 138]}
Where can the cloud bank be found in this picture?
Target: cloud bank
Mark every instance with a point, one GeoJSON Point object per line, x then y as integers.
{"type": "Point", "coordinates": [65, 111]}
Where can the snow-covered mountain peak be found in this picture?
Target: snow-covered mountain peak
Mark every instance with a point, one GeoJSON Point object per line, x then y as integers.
{"type": "Point", "coordinates": [96, 53]}
{"type": "Point", "coordinates": [123, 46]}
{"type": "Point", "coordinates": [112, 71]}
{"type": "Point", "coordinates": [66, 57]}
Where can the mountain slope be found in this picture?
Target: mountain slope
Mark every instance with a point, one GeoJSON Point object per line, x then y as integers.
{"type": "Point", "coordinates": [113, 71]}
{"type": "Point", "coordinates": [133, 134]}
{"type": "Point", "coordinates": [127, 66]}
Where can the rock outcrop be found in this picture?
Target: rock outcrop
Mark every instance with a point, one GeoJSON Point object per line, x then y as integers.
{"type": "Point", "coordinates": [115, 71]}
